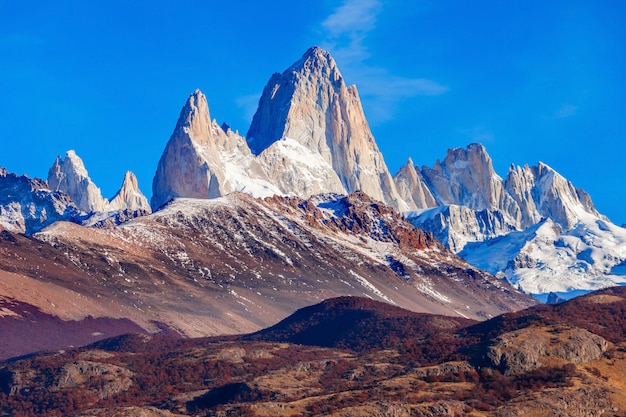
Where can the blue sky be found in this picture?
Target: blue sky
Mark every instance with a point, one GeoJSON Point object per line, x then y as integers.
{"type": "Point", "coordinates": [531, 80]}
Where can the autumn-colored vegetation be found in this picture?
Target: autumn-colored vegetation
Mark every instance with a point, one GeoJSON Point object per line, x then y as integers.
{"type": "Point", "coordinates": [339, 354]}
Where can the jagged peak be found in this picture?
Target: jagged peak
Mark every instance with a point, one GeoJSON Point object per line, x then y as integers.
{"type": "Point", "coordinates": [195, 118]}
{"type": "Point", "coordinates": [409, 163]}
{"type": "Point", "coordinates": [316, 61]}
{"type": "Point", "coordinates": [314, 57]}
{"type": "Point", "coordinates": [544, 168]}
{"type": "Point", "coordinates": [70, 163]}
{"type": "Point", "coordinates": [464, 153]}
{"type": "Point", "coordinates": [129, 197]}
{"type": "Point", "coordinates": [130, 181]}
{"type": "Point", "coordinates": [196, 100]}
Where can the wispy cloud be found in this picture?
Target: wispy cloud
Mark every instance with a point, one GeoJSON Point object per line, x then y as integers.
{"type": "Point", "coordinates": [345, 32]}
{"type": "Point", "coordinates": [347, 26]}
{"type": "Point", "coordinates": [354, 17]}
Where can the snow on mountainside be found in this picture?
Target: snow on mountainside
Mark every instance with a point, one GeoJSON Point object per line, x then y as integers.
{"type": "Point", "coordinates": [545, 258]}
{"type": "Point", "coordinates": [28, 205]}
{"type": "Point", "coordinates": [535, 228]}
{"type": "Point", "coordinates": [456, 226]}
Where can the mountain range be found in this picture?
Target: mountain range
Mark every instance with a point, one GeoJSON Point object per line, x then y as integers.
{"type": "Point", "coordinates": [241, 231]}
{"type": "Point", "coordinates": [309, 135]}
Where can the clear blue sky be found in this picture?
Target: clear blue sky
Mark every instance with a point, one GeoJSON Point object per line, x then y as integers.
{"type": "Point", "coordinates": [532, 80]}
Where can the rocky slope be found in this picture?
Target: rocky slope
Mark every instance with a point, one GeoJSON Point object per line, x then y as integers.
{"type": "Point", "coordinates": [565, 360]}
{"type": "Point", "coordinates": [237, 264]}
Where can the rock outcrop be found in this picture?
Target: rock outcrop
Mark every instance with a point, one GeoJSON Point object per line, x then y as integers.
{"type": "Point", "coordinates": [530, 348]}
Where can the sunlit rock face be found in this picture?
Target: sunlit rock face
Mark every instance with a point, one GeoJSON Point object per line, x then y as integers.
{"type": "Point", "coordinates": [311, 105]}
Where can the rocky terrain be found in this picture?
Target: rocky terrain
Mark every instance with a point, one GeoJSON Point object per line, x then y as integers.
{"type": "Point", "coordinates": [237, 264]}
{"type": "Point", "coordinates": [563, 360]}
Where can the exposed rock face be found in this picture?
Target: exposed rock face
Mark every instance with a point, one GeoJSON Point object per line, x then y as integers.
{"type": "Point", "coordinates": [308, 136]}
{"type": "Point", "coordinates": [530, 348]}
{"type": "Point", "coordinates": [28, 205]}
{"type": "Point", "coordinates": [413, 188]}
{"type": "Point", "coordinates": [551, 195]}
{"type": "Point", "coordinates": [311, 104]}
{"type": "Point", "coordinates": [113, 379]}
{"type": "Point", "coordinates": [466, 177]}
{"type": "Point", "coordinates": [129, 197]}
{"type": "Point", "coordinates": [202, 160]}
{"type": "Point", "coordinates": [190, 165]}
{"type": "Point", "coordinates": [70, 176]}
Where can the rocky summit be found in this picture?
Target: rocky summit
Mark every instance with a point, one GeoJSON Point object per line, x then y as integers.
{"type": "Point", "coordinates": [308, 136]}
{"type": "Point", "coordinates": [70, 176]}
{"type": "Point", "coordinates": [311, 105]}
